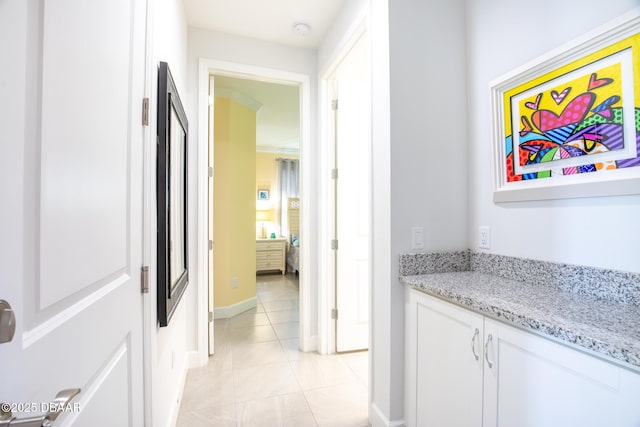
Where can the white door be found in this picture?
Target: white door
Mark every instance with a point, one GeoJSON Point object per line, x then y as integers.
{"type": "Point", "coordinates": [72, 80]}
{"type": "Point", "coordinates": [353, 198]}
{"type": "Point", "coordinates": [210, 217]}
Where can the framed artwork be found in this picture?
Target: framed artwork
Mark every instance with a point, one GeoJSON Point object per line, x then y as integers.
{"type": "Point", "coordinates": [171, 161]}
{"type": "Point", "coordinates": [263, 194]}
{"type": "Point", "coordinates": [568, 124]}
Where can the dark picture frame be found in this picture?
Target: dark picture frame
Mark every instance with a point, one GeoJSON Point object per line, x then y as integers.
{"type": "Point", "coordinates": [171, 175]}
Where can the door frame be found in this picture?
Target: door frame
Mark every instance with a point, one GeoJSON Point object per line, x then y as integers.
{"type": "Point", "coordinates": [206, 67]}
{"type": "Point", "coordinates": [327, 270]}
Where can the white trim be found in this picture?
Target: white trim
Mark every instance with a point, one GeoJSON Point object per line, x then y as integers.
{"type": "Point", "coordinates": [378, 419]}
{"type": "Point", "coordinates": [595, 184]}
{"type": "Point", "coordinates": [175, 403]}
{"type": "Point", "coordinates": [235, 309]}
{"type": "Point", "coordinates": [232, 69]}
{"type": "Point", "coordinates": [192, 359]}
{"type": "Point", "coordinates": [148, 215]}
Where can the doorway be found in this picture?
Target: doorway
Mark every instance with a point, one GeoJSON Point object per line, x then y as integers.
{"type": "Point", "coordinates": [210, 68]}
{"type": "Point", "coordinates": [255, 176]}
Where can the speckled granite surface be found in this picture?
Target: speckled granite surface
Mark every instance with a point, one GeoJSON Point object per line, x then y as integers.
{"type": "Point", "coordinates": [593, 308]}
{"type": "Point", "coordinates": [437, 262]}
{"type": "Point", "coordinates": [619, 286]}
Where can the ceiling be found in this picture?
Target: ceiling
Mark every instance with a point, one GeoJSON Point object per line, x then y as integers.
{"type": "Point", "coordinates": [270, 20]}
{"type": "Point", "coordinates": [278, 119]}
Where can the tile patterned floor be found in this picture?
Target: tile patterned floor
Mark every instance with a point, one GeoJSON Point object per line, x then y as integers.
{"type": "Point", "coordinates": [259, 378]}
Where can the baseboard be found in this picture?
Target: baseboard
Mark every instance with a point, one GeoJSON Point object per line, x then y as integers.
{"type": "Point", "coordinates": [310, 344]}
{"type": "Point", "coordinates": [175, 409]}
{"type": "Point", "coordinates": [378, 419]}
{"type": "Point", "coordinates": [193, 359]}
{"type": "Point", "coordinates": [237, 308]}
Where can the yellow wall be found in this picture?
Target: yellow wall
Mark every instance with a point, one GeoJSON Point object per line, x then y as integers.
{"type": "Point", "coordinates": [267, 179]}
{"type": "Point", "coordinates": [234, 202]}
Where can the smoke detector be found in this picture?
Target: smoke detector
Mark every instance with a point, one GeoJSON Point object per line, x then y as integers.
{"type": "Point", "coordinates": [301, 28]}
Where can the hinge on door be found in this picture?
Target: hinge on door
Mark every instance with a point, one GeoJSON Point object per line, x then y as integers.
{"type": "Point", "coordinates": [210, 100]}
{"type": "Point", "coordinates": [334, 104]}
{"type": "Point", "coordinates": [210, 316]}
{"type": "Point", "coordinates": [334, 173]}
{"type": "Point", "coordinates": [334, 244]}
{"type": "Point", "coordinates": [210, 172]}
{"type": "Point", "coordinates": [210, 245]}
{"type": "Point", "coordinates": [145, 111]}
{"type": "Point", "coordinates": [144, 279]}
{"type": "Point", "coordinates": [334, 313]}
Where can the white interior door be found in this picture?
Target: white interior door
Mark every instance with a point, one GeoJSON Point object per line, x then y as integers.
{"type": "Point", "coordinates": [353, 198]}
{"type": "Point", "coordinates": [210, 217]}
{"type": "Point", "coordinates": [71, 220]}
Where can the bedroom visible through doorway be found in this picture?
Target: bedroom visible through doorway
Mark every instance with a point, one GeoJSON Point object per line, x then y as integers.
{"type": "Point", "coordinates": [256, 175]}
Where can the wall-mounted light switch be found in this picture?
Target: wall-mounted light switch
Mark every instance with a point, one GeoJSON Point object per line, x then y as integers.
{"type": "Point", "coordinates": [417, 238]}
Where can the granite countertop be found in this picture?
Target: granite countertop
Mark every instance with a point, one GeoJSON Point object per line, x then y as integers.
{"type": "Point", "coordinates": [609, 328]}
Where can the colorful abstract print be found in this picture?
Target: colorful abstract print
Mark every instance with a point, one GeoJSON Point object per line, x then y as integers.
{"type": "Point", "coordinates": [580, 118]}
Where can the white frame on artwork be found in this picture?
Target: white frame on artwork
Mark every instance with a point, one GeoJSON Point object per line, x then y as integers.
{"type": "Point", "coordinates": [563, 64]}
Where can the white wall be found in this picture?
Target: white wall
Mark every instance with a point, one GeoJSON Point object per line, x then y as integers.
{"type": "Point", "coordinates": [242, 50]}
{"type": "Point", "coordinates": [599, 232]}
{"type": "Point", "coordinates": [427, 165]}
{"type": "Point", "coordinates": [170, 345]}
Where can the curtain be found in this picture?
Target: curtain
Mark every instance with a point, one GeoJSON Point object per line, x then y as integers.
{"type": "Point", "coordinates": [288, 178]}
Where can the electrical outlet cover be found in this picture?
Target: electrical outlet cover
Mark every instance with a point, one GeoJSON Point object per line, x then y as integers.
{"type": "Point", "coordinates": [484, 240]}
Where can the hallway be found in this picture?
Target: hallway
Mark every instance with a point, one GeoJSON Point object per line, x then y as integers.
{"type": "Point", "coordinates": [259, 378]}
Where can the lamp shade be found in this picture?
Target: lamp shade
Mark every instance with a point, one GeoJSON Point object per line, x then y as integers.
{"type": "Point", "coordinates": [263, 216]}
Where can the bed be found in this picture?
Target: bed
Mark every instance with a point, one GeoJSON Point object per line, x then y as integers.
{"type": "Point", "coordinates": [293, 224]}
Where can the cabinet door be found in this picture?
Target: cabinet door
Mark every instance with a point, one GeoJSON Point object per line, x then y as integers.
{"type": "Point", "coordinates": [535, 382]}
{"type": "Point", "coordinates": [444, 376]}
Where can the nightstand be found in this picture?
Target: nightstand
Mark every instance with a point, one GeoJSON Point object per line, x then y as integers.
{"type": "Point", "coordinates": [271, 254]}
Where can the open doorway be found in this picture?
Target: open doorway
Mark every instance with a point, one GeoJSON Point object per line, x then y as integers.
{"type": "Point", "coordinates": [256, 175]}
{"type": "Point", "coordinates": [212, 68]}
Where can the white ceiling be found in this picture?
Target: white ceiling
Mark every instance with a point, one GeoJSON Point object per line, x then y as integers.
{"type": "Point", "coordinates": [269, 20]}
{"type": "Point", "coordinates": [278, 119]}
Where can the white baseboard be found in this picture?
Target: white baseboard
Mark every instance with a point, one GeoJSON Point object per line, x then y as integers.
{"type": "Point", "coordinates": [310, 344]}
{"type": "Point", "coordinates": [175, 406]}
{"type": "Point", "coordinates": [192, 359]}
{"type": "Point", "coordinates": [237, 308]}
{"type": "Point", "coordinates": [378, 419]}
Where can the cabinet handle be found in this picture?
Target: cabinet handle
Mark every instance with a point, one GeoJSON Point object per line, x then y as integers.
{"type": "Point", "coordinates": [473, 343]}
{"type": "Point", "coordinates": [486, 351]}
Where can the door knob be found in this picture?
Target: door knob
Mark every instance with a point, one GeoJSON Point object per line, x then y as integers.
{"type": "Point", "coordinates": [58, 406]}
{"type": "Point", "coordinates": [7, 322]}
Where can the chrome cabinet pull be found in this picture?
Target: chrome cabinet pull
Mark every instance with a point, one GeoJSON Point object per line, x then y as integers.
{"type": "Point", "coordinates": [58, 406]}
{"type": "Point", "coordinates": [486, 351]}
{"type": "Point", "coordinates": [473, 343]}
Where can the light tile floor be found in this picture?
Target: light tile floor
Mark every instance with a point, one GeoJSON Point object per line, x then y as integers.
{"type": "Point", "coordinates": [257, 376]}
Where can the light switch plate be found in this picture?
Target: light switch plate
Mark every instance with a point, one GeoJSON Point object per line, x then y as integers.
{"type": "Point", "coordinates": [417, 238]}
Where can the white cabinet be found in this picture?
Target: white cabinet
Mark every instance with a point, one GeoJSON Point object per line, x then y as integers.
{"type": "Point", "coordinates": [271, 254]}
{"type": "Point", "coordinates": [444, 378]}
{"type": "Point", "coordinates": [503, 376]}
